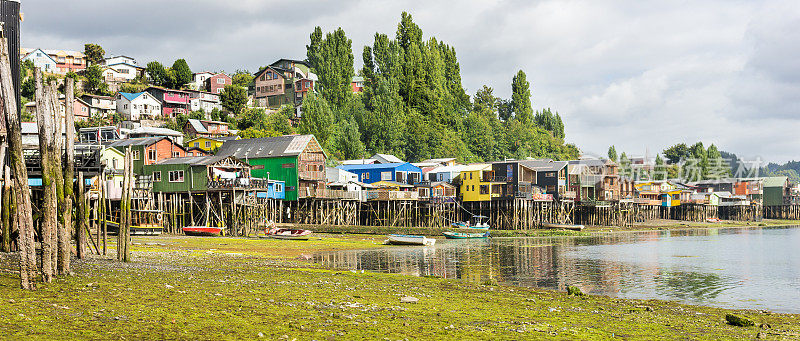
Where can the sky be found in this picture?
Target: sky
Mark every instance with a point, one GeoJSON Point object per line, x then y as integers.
{"type": "Point", "coordinates": [640, 75]}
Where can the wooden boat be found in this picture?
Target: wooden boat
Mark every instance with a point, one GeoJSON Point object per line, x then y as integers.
{"type": "Point", "coordinates": [404, 239]}
{"type": "Point", "coordinates": [143, 223]}
{"type": "Point", "coordinates": [203, 231]}
{"type": "Point", "coordinates": [290, 234]}
{"type": "Point", "coordinates": [713, 220]}
{"type": "Point", "coordinates": [564, 226]}
{"type": "Point", "coordinates": [465, 235]}
{"type": "Point", "coordinates": [479, 224]}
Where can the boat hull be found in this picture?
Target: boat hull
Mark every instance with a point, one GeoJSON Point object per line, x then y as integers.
{"type": "Point", "coordinates": [398, 239]}
{"type": "Point", "coordinates": [288, 234]}
{"type": "Point", "coordinates": [202, 231]}
{"type": "Point", "coordinates": [462, 235]}
{"type": "Point", "coordinates": [564, 226]}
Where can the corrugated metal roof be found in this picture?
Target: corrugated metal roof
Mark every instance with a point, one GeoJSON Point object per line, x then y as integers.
{"type": "Point", "coordinates": [544, 166]}
{"type": "Point", "coordinates": [155, 131]}
{"type": "Point", "coordinates": [372, 166]}
{"type": "Point", "coordinates": [266, 147]}
{"type": "Point", "coordinates": [130, 96]}
{"type": "Point", "coordinates": [195, 160]}
{"type": "Point", "coordinates": [141, 141]}
{"type": "Point", "coordinates": [389, 158]}
{"type": "Point", "coordinates": [775, 181]}
{"type": "Point", "coordinates": [198, 126]}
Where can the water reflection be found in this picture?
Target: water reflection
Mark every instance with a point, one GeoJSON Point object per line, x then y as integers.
{"type": "Point", "coordinates": [743, 268]}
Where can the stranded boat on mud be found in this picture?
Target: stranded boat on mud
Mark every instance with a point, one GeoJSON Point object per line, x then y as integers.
{"type": "Point", "coordinates": [203, 231]}
{"type": "Point", "coordinates": [143, 223]}
{"type": "Point", "coordinates": [478, 225]}
{"type": "Point", "coordinates": [465, 235]}
{"type": "Point", "coordinates": [404, 239]}
{"type": "Point", "coordinates": [289, 234]}
{"type": "Point", "coordinates": [563, 226]}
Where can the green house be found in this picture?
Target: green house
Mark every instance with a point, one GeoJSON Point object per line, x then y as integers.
{"type": "Point", "coordinates": [298, 160]}
{"type": "Point", "coordinates": [775, 189]}
{"type": "Point", "coordinates": [197, 173]}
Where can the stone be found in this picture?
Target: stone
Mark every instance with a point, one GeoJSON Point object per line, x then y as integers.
{"type": "Point", "coordinates": [738, 321]}
{"type": "Point", "coordinates": [409, 299]}
{"type": "Point", "coordinates": [260, 334]}
{"type": "Point", "coordinates": [573, 290]}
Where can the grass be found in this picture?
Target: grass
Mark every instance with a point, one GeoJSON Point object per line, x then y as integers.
{"type": "Point", "coordinates": [229, 288]}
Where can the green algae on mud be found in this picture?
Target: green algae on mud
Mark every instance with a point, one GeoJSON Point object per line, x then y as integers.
{"type": "Point", "coordinates": [244, 287]}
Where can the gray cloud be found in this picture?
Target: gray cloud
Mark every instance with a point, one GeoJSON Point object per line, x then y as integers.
{"type": "Point", "coordinates": [641, 75]}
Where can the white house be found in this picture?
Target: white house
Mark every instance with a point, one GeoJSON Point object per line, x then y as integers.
{"type": "Point", "coordinates": [119, 59]}
{"type": "Point", "coordinates": [100, 105]}
{"type": "Point", "coordinates": [199, 80]}
{"type": "Point", "coordinates": [203, 100]}
{"type": "Point", "coordinates": [340, 179]}
{"type": "Point", "coordinates": [138, 106]}
{"type": "Point", "coordinates": [41, 60]}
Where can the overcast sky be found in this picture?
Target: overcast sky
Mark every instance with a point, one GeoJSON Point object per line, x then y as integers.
{"type": "Point", "coordinates": [641, 75]}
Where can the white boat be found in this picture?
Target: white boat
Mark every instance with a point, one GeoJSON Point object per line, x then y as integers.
{"type": "Point", "coordinates": [404, 239]}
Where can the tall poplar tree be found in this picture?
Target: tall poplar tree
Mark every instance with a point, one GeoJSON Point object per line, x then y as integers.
{"type": "Point", "coordinates": [521, 98]}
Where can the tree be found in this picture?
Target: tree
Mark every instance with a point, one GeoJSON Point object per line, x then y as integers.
{"type": "Point", "coordinates": [624, 165]}
{"type": "Point", "coordinates": [94, 80]}
{"type": "Point", "coordinates": [183, 74]}
{"type": "Point", "coordinates": [346, 141]}
{"type": "Point", "coordinates": [157, 73]}
{"type": "Point", "coordinates": [550, 122]}
{"type": "Point", "coordinates": [233, 99]}
{"type": "Point", "coordinates": [242, 78]}
{"type": "Point", "coordinates": [660, 171]}
{"type": "Point", "coordinates": [94, 53]}
{"type": "Point", "coordinates": [484, 100]}
{"type": "Point", "coordinates": [332, 60]}
{"type": "Point", "coordinates": [28, 88]}
{"type": "Point", "coordinates": [676, 153]}
{"type": "Point", "coordinates": [612, 153]}
{"type": "Point", "coordinates": [317, 118]}
{"type": "Point", "coordinates": [521, 98]}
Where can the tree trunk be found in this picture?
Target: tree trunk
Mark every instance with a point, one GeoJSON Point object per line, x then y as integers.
{"type": "Point", "coordinates": [57, 174]}
{"type": "Point", "coordinates": [44, 120]}
{"type": "Point", "coordinates": [22, 216]}
{"type": "Point", "coordinates": [7, 202]}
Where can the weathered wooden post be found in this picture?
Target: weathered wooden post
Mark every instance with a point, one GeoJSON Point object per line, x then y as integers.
{"type": "Point", "coordinates": [65, 230]}
{"type": "Point", "coordinates": [44, 120]}
{"type": "Point", "coordinates": [81, 219]}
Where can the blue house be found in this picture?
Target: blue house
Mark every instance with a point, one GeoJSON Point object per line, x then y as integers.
{"type": "Point", "coordinates": [402, 172]}
{"type": "Point", "coordinates": [276, 189]}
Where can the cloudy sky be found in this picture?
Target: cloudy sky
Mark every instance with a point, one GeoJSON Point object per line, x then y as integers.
{"type": "Point", "coordinates": [641, 75]}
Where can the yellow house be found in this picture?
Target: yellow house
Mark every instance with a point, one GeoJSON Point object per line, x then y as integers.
{"type": "Point", "coordinates": [477, 183]}
{"type": "Point", "coordinates": [207, 143]}
{"type": "Point", "coordinates": [667, 192]}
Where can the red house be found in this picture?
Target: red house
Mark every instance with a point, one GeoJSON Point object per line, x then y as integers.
{"type": "Point", "coordinates": [216, 83]}
{"type": "Point", "coordinates": [173, 102]}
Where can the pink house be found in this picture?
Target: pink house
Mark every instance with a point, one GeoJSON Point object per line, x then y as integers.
{"type": "Point", "coordinates": [173, 102]}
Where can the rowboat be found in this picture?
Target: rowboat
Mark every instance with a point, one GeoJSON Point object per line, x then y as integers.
{"type": "Point", "coordinates": [713, 220]}
{"type": "Point", "coordinates": [203, 231]}
{"type": "Point", "coordinates": [289, 234]}
{"type": "Point", "coordinates": [564, 226]}
{"type": "Point", "coordinates": [404, 239]}
{"type": "Point", "coordinates": [464, 235]}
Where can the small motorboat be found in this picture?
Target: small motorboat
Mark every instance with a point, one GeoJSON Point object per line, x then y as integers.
{"type": "Point", "coordinates": [290, 234]}
{"type": "Point", "coordinates": [563, 226]}
{"type": "Point", "coordinates": [479, 224]}
{"type": "Point", "coordinates": [203, 231]}
{"type": "Point", "coordinates": [465, 235]}
{"type": "Point", "coordinates": [404, 239]}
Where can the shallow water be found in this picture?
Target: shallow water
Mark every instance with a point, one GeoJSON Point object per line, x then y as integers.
{"type": "Point", "coordinates": [733, 268]}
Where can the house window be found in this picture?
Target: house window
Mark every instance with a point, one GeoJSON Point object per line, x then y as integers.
{"type": "Point", "coordinates": [470, 176]}
{"type": "Point", "coordinates": [484, 189]}
{"type": "Point", "coordinates": [365, 176]}
{"type": "Point", "coordinates": [208, 144]}
{"type": "Point", "coordinates": [151, 155]}
{"type": "Point", "coordinates": [135, 154]}
{"type": "Point", "coordinates": [125, 107]}
{"type": "Point", "coordinates": [176, 154]}
{"type": "Point", "coordinates": [197, 144]}
{"type": "Point", "coordinates": [386, 176]}
{"type": "Point", "coordinates": [473, 188]}
{"type": "Point", "coordinates": [278, 188]}
{"type": "Point", "coordinates": [220, 80]}
{"type": "Point", "coordinates": [176, 176]}
{"type": "Point", "coordinates": [157, 176]}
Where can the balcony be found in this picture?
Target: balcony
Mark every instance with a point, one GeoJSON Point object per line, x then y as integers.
{"type": "Point", "coordinates": [311, 175]}
{"type": "Point", "coordinates": [238, 183]}
{"type": "Point", "coordinates": [391, 195]}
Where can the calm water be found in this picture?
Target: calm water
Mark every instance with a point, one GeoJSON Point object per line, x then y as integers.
{"type": "Point", "coordinates": [736, 268]}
